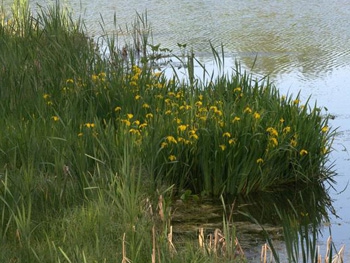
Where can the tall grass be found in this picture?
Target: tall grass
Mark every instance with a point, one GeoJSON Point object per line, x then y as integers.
{"type": "Point", "coordinates": [233, 133]}
{"type": "Point", "coordinates": [91, 133]}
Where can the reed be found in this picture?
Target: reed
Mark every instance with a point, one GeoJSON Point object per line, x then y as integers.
{"type": "Point", "coordinates": [300, 221]}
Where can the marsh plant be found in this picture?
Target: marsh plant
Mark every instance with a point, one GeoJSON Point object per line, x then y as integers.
{"type": "Point", "coordinates": [89, 133]}
{"type": "Point", "coordinates": [302, 217]}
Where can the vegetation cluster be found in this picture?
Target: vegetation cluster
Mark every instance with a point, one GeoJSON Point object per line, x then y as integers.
{"type": "Point", "coordinates": [93, 135]}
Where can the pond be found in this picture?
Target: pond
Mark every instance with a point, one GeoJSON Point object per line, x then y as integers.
{"type": "Point", "coordinates": [302, 46]}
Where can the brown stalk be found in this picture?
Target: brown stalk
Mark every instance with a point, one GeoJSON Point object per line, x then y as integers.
{"type": "Point", "coordinates": [172, 248]}
{"type": "Point", "coordinates": [339, 257]}
{"type": "Point", "coordinates": [160, 207]}
{"type": "Point", "coordinates": [154, 245]}
{"type": "Point", "coordinates": [125, 259]}
{"type": "Point", "coordinates": [231, 211]}
{"type": "Point", "coordinates": [210, 242]}
{"type": "Point", "coordinates": [263, 256]}
{"type": "Point", "coordinates": [239, 247]}
{"type": "Point", "coordinates": [216, 240]}
{"type": "Point", "coordinates": [319, 258]}
{"type": "Point", "coordinates": [201, 237]}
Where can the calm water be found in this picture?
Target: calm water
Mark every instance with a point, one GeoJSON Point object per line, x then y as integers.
{"type": "Point", "coordinates": [302, 45]}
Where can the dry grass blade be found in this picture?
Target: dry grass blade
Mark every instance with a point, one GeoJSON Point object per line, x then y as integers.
{"type": "Point", "coordinates": [263, 253]}
{"type": "Point", "coordinates": [329, 248]}
{"type": "Point", "coordinates": [125, 259]}
{"type": "Point", "coordinates": [216, 243]}
{"type": "Point", "coordinates": [338, 257]}
{"type": "Point", "coordinates": [239, 248]}
{"type": "Point", "coordinates": [264, 258]}
{"type": "Point", "coordinates": [154, 245]}
{"type": "Point", "coordinates": [319, 257]}
{"type": "Point", "coordinates": [172, 248]}
{"type": "Point", "coordinates": [201, 237]}
{"type": "Point", "coordinates": [160, 207]}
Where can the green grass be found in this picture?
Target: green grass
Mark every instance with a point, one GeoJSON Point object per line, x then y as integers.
{"type": "Point", "coordinates": [91, 139]}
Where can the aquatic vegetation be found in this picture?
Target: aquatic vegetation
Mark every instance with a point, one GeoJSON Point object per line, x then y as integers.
{"type": "Point", "coordinates": [92, 134]}
{"type": "Point", "coordinates": [299, 216]}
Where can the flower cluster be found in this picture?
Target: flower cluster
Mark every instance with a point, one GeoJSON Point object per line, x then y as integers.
{"type": "Point", "coordinates": [175, 127]}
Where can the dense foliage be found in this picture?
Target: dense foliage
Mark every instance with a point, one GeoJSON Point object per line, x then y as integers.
{"type": "Point", "coordinates": [81, 129]}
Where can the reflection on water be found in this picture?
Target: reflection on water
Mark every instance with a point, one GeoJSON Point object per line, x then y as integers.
{"type": "Point", "coordinates": [294, 210]}
{"type": "Point", "coordinates": [310, 201]}
{"type": "Point", "coordinates": [307, 36]}
{"type": "Point", "coordinates": [300, 214]}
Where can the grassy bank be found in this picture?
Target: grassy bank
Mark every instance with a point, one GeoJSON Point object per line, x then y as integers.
{"type": "Point", "coordinates": [92, 136]}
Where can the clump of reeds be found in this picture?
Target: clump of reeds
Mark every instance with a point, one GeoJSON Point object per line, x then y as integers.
{"type": "Point", "coordinates": [301, 217]}
{"type": "Point", "coordinates": [332, 255]}
{"type": "Point", "coordinates": [338, 257]}
{"type": "Point", "coordinates": [216, 243]}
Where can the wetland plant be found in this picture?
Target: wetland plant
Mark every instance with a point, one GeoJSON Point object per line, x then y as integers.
{"type": "Point", "coordinates": [87, 138]}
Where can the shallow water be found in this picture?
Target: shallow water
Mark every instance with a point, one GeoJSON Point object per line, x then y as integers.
{"type": "Point", "coordinates": [302, 45]}
{"type": "Point", "coordinates": [300, 208]}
